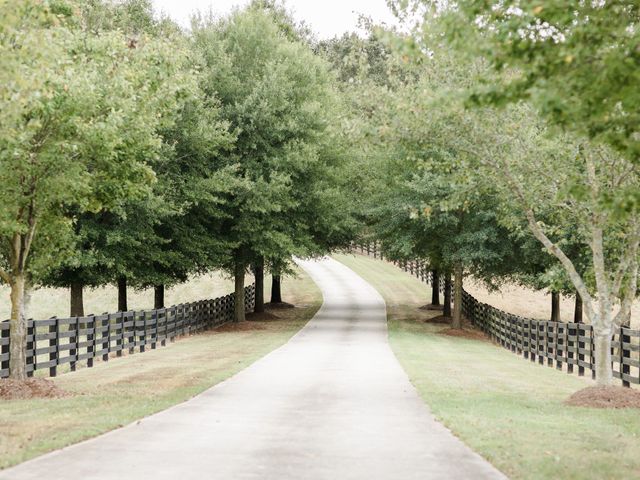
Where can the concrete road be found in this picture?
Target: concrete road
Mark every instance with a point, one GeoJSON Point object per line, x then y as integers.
{"type": "Point", "coordinates": [332, 404]}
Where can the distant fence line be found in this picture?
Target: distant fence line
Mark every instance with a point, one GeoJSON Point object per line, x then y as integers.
{"type": "Point", "coordinates": [60, 341]}
{"type": "Point", "coordinates": [569, 345]}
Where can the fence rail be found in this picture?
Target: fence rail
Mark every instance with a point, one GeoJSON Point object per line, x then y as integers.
{"type": "Point", "coordinates": [60, 341]}
{"type": "Point", "coordinates": [567, 346]}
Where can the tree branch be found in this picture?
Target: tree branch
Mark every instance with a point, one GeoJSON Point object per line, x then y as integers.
{"type": "Point", "coordinates": [553, 249]}
{"type": "Point", "coordinates": [556, 251]}
{"type": "Point", "coordinates": [5, 276]}
{"type": "Point", "coordinates": [597, 246]}
{"type": "Point", "coordinates": [624, 315]}
{"type": "Point", "coordinates": [627, 259]}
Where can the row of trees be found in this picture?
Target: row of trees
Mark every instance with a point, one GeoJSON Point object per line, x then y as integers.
{"type": "Point", "coordinates": [497, 139]}
{"type": "Point", "coordinates": [134, 153]}
{"type": "Point", "coordinates": [501, 140]}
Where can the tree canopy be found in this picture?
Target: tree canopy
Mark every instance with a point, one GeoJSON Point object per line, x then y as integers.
{"type": "Point", "coordinates": [492, 139]}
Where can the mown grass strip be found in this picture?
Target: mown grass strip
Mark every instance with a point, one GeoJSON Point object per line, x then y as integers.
{"type": "Point", "coordinates": [508, 410]}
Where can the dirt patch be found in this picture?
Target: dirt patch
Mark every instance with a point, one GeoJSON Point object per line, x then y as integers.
{"type": "Point", "coordinates": [278, 305]}
{"type": "Point", "coordinates": [432, 308]}
{"type": "Point", "coordinates": [464, 333]}
{"type": "Point", "coordinates": [262, 317]}
{"type": "Point", "coordinates": [441, 319]}
{"type": "Point", "coordinates": [240, 327]}
{"type": "Point", "coordinates": [30, 388]}
{"type": "Point", "coordinates": [605, 397]}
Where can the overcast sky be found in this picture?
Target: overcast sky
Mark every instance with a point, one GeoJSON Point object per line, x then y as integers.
{"type": "Point", "coordinates": [326, 17]}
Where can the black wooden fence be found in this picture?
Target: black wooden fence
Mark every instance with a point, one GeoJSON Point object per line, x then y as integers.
{"type": "Point", "coordinates": [60, 341]}
{"type": "Point", "coordinates": [567, 346]}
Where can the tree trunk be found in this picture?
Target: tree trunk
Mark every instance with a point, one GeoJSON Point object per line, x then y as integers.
{"type": "Point", "coordinates": [18, 331]}
{"type": "Point", "coordinates": [604, 372]}
{"type": "Point", "coordinates": [577, 312]}
{"type": "Point", "coordinates": [276, 292]}
{"type": "Point", "coordinates": [435, 288]}
{"type": "Point", "coordinates": [158, 296]}
{"type": "Point", "coordinates": [26, 301]}
{"type": "Point", "coordinates": [77, 300]}
{"type": "Point", "coordinates": [258, 270]}
{"type": "Point", "coordinates": [122, 294]}
{"type": "Point", "coordinates": [555, 307]}
{"type": "Point", "coordinates": [447, 295]}
{"type": "Point", "coordinates": [456, 322]}
{"type": "Point", "coordinates": [239, 293]}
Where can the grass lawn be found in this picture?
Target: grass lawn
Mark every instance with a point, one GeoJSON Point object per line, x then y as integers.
{"type": "Point", "coordinates": [509, 410]}
{"type": "Point", "coordinates": [126, 389]}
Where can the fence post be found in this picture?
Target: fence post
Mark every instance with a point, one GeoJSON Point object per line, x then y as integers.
{"type": "Point", "coordinates": [91, 339]}
{"type": "Point", "coordinates": [542, 332]}
{"type": "Point", "coordinates": [570, 346]}
{"type": "Point", "coordinates": [32, 359]}
{"type": "Point", "coordinates": [154, 328]}
{"type": "Point", "coordinates": [174, 321]}
{"type": "Point", "coordinates": [106, 337]}
{"type": "Point", "coordinates": [4, 346]}
{"type": "Point", "coordinates": [53, 343]}
{"type": "Point", "coordinates": [119, 317]}
{"type": "Point", "coordinates": [549, 342]}
{"type": "Point", "coordinates": [557, 342]}
{"type": "Point", "coordinates": [74, 338]}
{"type": "Point", "coordinates": [163, 342]}
{"type": "Point", "coordinates": [624, 354]}
{"type": "Point", "coordinates": [581, 349]}
{"type": "Point", "coordinates": [131, 315]}
{"type": "Point", "coordinates": [592, 358]}
{"type": "Point", "coordinates": [143, 337]}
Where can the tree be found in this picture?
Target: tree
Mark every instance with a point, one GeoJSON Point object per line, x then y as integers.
{"type": "Point", "coordinates": [576, 61]}
{"type": "Point", "coordinates": [423, 202]}
{"type": "Point", "coordinates": [72, 137]}
{"type": "Point", "coordinates": [576, 66]}
{"type": "Point", "coordinates": [536, 269]}
{"type": "Point", "coordinates": [158, 239]}
{"type": "Point", "coordinates": [426, 215]}
{"type": "Point", "coordinates": [277, 97]}
{"type": "Point", "coordinates": [583, 190]}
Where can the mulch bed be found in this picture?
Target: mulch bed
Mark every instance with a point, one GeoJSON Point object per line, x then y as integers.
{"type": "Point", "coordinates": [605, 397]}
{"type": "Point", "coordinates": [464, 333]}
{"type": "Point", "coordinates": [440, 319]}
{"type": "Point", "coordinates": [278, 305]}
{"type": "Point", "coordinates": [30, 388]}
{"type": "Point", "coordinates": [431, 308]}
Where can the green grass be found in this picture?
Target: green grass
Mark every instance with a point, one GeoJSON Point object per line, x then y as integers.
{"type": "Point", "coordinates": [126, 389]}
{"type": "Point", "coordinates": [509, 410]}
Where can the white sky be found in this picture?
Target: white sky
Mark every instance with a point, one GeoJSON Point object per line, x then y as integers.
{"type": "Point", "coordinates": [326, 17]}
